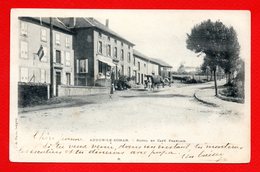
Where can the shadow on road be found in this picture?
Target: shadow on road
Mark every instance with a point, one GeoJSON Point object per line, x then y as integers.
{"type": "Point", "coordinates": [74, 103]}
{"type": "Point", "coordinates": [157, 96]}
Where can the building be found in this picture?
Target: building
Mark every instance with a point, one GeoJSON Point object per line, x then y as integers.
{"type": "Point", "coordinates": [35, 54]}
{"type": "Point", "coordinates": [98, 52]}
{"type": "Point", "coordinates": [143, 66]}
{"type": "Point", "coordinates": [63, 56]}
{"type": "Point", "coordinates": [150, 66]}
{"type": "Point", "coordinates": [164, 69]}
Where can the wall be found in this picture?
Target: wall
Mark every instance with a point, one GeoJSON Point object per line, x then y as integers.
{"type": "Point", "coordinates": [153, 68]}
{"type": "Point", "coordinates": [82, 90]}
{"type": "Point", "coordinates": [83, 44]}
{"type": "Point", "coordinates": [108, 39]}
{"type": "Point", "coordinates": [33, 63]}
{"type": "Point", "coordinates": [37, 66]}
{"type": "Point", "coordinates": [143, 69]}
{"type": "Point", "coordinates": [66, 66]}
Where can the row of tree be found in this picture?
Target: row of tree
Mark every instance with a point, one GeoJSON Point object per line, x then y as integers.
{"type": "Point", "coordinates": [219, 45]}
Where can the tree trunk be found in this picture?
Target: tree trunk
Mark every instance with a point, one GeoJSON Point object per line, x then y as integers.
{"type": "Point", "coordinates": [229, 77]}
{"type": "Point", "coordinates": [215, 82]}
{"type": "Point", "coordinates": [207, 72]}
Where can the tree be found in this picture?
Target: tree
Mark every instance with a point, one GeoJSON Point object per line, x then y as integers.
{"type": "Point", "coordinates": [181, 69]}
{"type": "Point", "coordinates": [217, 41]}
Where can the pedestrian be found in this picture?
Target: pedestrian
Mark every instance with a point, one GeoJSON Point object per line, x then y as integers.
{"type": "Point", "coordinates": [149, 84]}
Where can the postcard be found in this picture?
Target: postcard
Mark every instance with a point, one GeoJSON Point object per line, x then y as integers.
{"type": "Point", "coordinates": [130, 86]}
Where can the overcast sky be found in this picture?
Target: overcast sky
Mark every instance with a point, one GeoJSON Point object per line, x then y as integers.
{"type": "Point", "coordinates": [162, 33]}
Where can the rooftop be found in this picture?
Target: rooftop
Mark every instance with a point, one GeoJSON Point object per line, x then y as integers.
{"type": "Point", "coordinates": [88, 22]}
{"type": "Point", "coordinates": [154, 60]}
{"type": "Point", "coordinates": [161, 62]}
{"type": "Point", "coordinates": [46, 20]}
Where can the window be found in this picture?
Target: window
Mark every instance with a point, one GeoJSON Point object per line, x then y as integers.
{"type": "Point", "coordinates": [108, 38]}
{"type": "Point", "coordinates": [82, 66]}
{"type": "Point", "coordinates": [134, 60]}
{"type": "Point", "coordinates": [122, 44]}
{"type": "Point", "coordinates": [43, 35]}
{"type": "Point", "coordinates": [24, 29]}
{"type": "Point", "coordinates": [43, 76]}
{"type": "Point", "coordinates": [58, 56]}
{"type": "Point", "coordinates": [115, 41]}
{"type": "Point", "coordinates": [122, 55]}
{"type": "Point", "coordinates": [24, 74]}
{"type": "Point", "coordinates": [57, 39]}
{"type": "Point", "coordinates": [100, 47]}
{"type": "Point", "coordinates": [24, 50]}
{"type": "Point", "coordinates": [109, 50]}
{"type": "Point", "coordinates": [67, 42]}
{"type": "Point", "coordinates": [115, 52]}
{"type": "Point", "coordinates": [67, 58]}
{"type": "Point", "coordinates": [144, 65]}
{"type": "Point", "coordinates": [129, 71]}
{"type": "Point", "coordinates": [128, 46]}
{"type": "Point", "coordinates": [122, 69]}
{"type": "Point", "coordinates": [68, 80]}
{"type": "Point", "coordinates": [138, 65]}
{"type": "Point", "coordinates": [129, 57]}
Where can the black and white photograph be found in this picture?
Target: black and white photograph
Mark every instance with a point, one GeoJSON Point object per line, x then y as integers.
{"type": "Point", "coordinates": [130, 86]}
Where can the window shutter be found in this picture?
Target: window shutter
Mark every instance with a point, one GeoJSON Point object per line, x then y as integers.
{"type": "Point", "coordinates": [62, 57]}
{"type": "Point", "coordinates": [24, 49]}
{"type": "Point", "coordinates": [54, 55]}
{"type": "Point", "coordinates": [86, 63]}
{"type": "Point", "coordinates": [24, 74]}
{"type": "Point", "coordinates": [77, 66]}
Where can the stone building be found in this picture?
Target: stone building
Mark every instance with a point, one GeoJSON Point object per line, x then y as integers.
{"type": "Point", "coordinates": [98, 52]}
{"type": "Point", "coordinates": [34, 55]}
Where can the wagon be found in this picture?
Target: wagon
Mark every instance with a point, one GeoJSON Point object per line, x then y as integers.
{"type": "Point", "coordinates": [156, 81]}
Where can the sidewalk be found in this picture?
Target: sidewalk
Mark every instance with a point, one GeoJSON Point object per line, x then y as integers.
{"type": "Point", "coordinates": [207, 96]}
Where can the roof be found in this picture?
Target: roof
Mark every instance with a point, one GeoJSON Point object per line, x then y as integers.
{"type": "Point", "coordinates": [154, 60]}
{"type": "Point", "coordinates": [137, 53]}
{"type": "Point", "coordinates": [161, 62]}
{"type": "Point", "coordinates": [46, 20]}
{"type": "Point", "coordinates": [90, 22]}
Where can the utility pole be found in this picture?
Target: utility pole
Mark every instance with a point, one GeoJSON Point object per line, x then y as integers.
{"type": "Point", "coordinates": [51, 59]}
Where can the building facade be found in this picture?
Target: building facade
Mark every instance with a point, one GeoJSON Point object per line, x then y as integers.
{"type": "Point", "coordinates": [34, 53]}
{"type": "Point", "coordinates": [144, 66]}
{"type": "Point", "coordinates": [72, 53]}
{"type": "Point", "coordinates": [164, 69]}
{"type": "Point", "coordinates": [99, 52]}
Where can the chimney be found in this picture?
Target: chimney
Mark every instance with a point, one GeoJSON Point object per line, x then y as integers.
{"type": "Point", "coordinates": [107, 23]}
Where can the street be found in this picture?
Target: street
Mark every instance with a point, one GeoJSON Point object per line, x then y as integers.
{"type": "Point", "coordinates": [167, 112]}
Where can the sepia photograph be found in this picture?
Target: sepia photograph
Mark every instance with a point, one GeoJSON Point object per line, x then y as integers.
{"type": "Point", "coordinates": [128, 86]}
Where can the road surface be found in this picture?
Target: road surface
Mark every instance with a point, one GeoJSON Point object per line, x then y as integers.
{"type": "Point", "coordinates": [169, 111]}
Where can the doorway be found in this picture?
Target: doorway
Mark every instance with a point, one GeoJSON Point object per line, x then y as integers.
{"type": "Point", "coordinates": [58, 81]}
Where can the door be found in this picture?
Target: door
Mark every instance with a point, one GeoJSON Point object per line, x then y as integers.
{"type": "Point", "coordinates": [58, 81]}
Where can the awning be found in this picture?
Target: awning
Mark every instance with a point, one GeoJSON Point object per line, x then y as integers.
{"type": "Point", "coordinates": [106, 60]}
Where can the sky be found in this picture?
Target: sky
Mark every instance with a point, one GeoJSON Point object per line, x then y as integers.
{"type": "Point", "coordinates": [162, 33]}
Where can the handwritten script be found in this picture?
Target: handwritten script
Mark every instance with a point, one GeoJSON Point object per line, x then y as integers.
{"type": "Point", "coordinates": [119, 148]}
